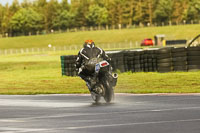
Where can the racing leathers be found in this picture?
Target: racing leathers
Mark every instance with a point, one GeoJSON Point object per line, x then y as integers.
{"type": "Point", "coordinates": [84, 55]}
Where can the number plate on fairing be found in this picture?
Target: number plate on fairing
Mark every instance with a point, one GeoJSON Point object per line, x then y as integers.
{"type": "Point", "coordinates": [97, 67]}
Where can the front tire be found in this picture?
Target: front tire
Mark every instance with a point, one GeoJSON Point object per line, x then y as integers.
{"type": "Point", "coordinates": [95, 97]}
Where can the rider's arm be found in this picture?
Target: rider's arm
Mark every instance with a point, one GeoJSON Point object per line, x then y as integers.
{"type": "Point", "coordinates": [78, 61]}
{"type": "Point", "coordinates": [103, 55]}
{"type": "Point", "coordinates": [106, 57]}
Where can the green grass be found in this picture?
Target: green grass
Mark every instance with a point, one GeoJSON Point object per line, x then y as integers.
{"type": "Point", "coordinates": [41, 74]}
{"type": "Point", "coordinates": [100, 37]}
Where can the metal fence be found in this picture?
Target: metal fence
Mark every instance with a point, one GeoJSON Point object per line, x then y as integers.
{"type": "Point", "coordinates": [106, 46]}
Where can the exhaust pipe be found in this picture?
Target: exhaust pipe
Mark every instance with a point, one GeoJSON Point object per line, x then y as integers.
{"type": "Point", "coordinates": [114, 80]}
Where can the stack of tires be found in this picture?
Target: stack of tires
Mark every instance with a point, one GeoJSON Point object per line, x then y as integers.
{"type": "Point", "coordinates": [146, 62]}
{"type": "Point", "coordinates": [164, 60]}
{"type": "Point", "coordinates": [68, 65]}
{"type": "Point", "coordinates": [179, 59]}
{"type": "Point", "coordinates": [138, 61]}
{"type": "Point", "coordinates": [151, 60]}
{"type": "Point", "coordinates": [129, 61]}
{"type": "Point", "coordinates": [193, 60]}
{"type": "Point", "coordinates": [117, 61]}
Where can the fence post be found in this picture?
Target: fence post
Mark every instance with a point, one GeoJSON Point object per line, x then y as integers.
{"type": "Point", "coordinates": [27, 50]}
{"type": "Point", "coordinates": [32, 50]}
{"type": "Point", "coordinates": [114, 45]}
{"type": "Point", "coordinates": [136, 44]}
{"type": "Point", "coordinates": [22, 51]}
{"type": "Point", "coordinates": [120, 26]}
{"type": "Point", "coordinates": [5, 52]}
{"type": "Point", "coordinates": [108, 45]}
{"type": "Point", "coordinates": [107, 28]}
{"type": "Point", "coordinates": [11, 51]}
{"type": "Point", "coordinates": [184, 22]}
{"type": "Point", "coordinates": [131, 44]}
{"type": "Point", "coordinates": [38, 50]}
{"type": "Point", "coordinates": [170, 23]}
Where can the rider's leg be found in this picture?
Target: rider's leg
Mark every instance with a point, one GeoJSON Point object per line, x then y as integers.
{"type": "Point", "coordinates": [87, 79]}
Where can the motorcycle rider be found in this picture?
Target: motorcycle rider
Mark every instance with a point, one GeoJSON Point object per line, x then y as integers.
{"type": "Point", "coordinates": [88, 52]}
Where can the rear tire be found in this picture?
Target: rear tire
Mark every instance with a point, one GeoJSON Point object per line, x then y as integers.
{"type": "Point", "coordinates": [109, 92]}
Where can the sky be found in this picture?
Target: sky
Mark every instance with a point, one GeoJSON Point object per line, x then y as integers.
{"type": "Point", "coordinates": [3, 2]}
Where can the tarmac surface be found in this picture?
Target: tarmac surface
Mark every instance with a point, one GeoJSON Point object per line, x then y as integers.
{"type": "Point", "coordinates": [157, 113]}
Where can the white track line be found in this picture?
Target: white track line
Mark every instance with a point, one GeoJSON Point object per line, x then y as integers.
{"type": "Point", "coordinates": [20, 130]}
{"type": "Point", "coordinates": [38, 103]}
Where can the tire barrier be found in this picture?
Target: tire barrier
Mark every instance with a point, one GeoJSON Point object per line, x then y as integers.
{"type": "Point", "coordinates": [164, 59]}
{"type": "Point", "coordinates": [68, 65]}
{"type": "Point", "coordinates": [193, 58]}
{"type": "Point", "coordinates": [117, 61]}
{"type": "Point", "coordinates": [179, 59]}
{"type": "Point", "coordinates": [152, 60]}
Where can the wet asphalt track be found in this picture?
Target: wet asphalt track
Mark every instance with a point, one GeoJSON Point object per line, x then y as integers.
{"type": "Point", "coordinates": [77, 114]}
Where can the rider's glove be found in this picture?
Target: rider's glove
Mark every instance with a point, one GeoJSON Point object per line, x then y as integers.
{"type": "Point", "coordinates": [79, 70]}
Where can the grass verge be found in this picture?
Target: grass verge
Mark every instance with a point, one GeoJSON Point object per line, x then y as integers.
{"type": "Point", "coordinates": [100, 37]}
{"type": "Point", "coordinates": [41, 74]}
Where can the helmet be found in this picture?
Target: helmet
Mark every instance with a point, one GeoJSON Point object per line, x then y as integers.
{"type": "Point", "coordinates": [89, 43]}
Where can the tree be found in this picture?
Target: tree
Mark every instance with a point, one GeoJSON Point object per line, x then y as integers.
{"type": "Point", "coordinates": [115, 10]}
{"type": "Point", "coordinates": [163, 11]}
{"type": "Point", "coordinates": [128, 12]}
{"type": "Point", "coordinates": [14, 7]}
{"type": "Point", "coordinates": [5, 22]}
{"type": "Point", "coordinates": [139, 12]}
{"type": "Point", "coordinates": [50, 13]}
{"type": "Point", "coordinates": [65, 5]}
{"type": "Point", "coordinates": [26, 4]}
{"type": "Point", "coordinates": [119, 4]}
{"type": "Point", "coordinates": [150, 11]}
{"type": "Point", "coordinates": [64, 20]}
{"type": "Point", "coordinates": [25, 21]}
{"type": "Point", "coordinates": [193, 11]}
{"type": "Point", "coordinates": [112, 13]}
{"type": "Point", "coordinates": [97, 15]}
{"type": "Point", "coordinates": [40, 7]}
{"type": "Point", "coordinates": [179, 10]}
{"type": "Point", "coordinates": [1, 17]}
{"type": "Point", "coordinates": [80, 8]}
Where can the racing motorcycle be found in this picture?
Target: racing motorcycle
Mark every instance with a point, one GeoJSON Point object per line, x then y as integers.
{"type": "Point", "coordinates": [103, 81]}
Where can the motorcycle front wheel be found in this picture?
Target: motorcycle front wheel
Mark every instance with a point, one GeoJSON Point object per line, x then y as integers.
{"type": "Point", "coordinates": [95, 97]}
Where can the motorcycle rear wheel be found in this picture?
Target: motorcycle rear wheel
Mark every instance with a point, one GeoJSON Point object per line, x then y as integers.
{"type": "Point", "coordinates": [109, 92]}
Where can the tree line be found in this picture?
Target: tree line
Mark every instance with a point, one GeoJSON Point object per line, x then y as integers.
{"type": "Point", "coordinates": [45, 16]}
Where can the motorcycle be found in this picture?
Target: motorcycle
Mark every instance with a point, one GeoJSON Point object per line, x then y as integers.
{"type": "Point", "coordinates": [103, 80]}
